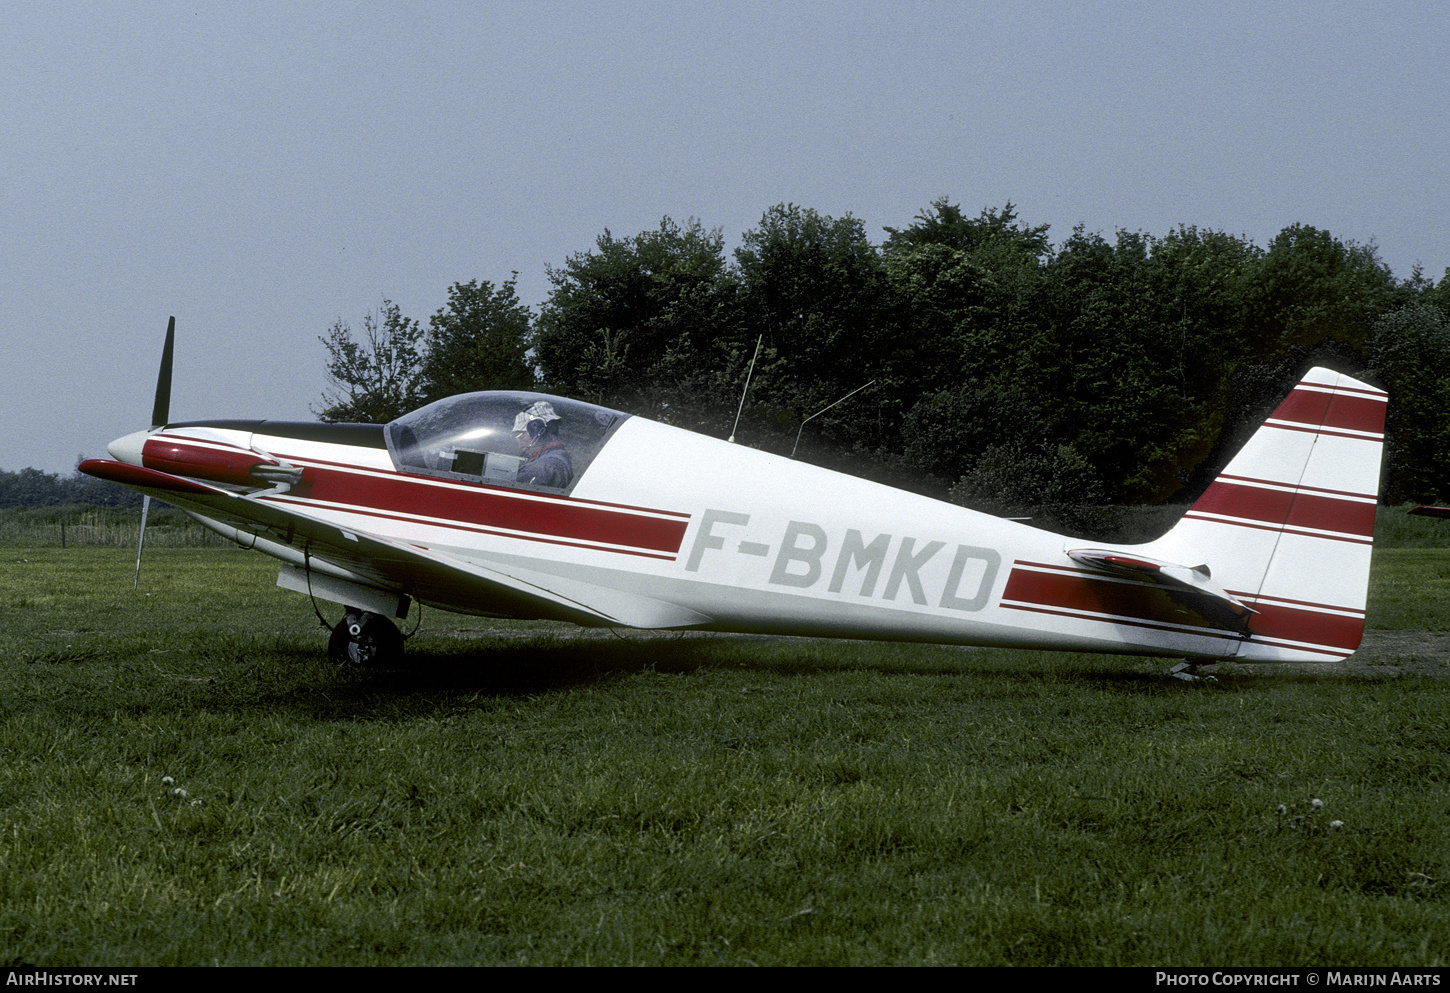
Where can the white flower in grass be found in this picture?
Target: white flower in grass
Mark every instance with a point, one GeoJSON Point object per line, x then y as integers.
{"type": "Point", "coordinates": [1316, 803]}
{"type": "Point", "coordinates": [1283, 810]}
{"type": "Point", "coordinates": [1335, 825]}
{"type": "Point", "coordinates": [179, 792]}
{"type": "Point", "coordinates": [167, 781]}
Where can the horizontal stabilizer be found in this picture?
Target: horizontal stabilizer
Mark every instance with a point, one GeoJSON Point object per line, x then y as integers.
{"type": "Point", "coordinates": [1219, 603]}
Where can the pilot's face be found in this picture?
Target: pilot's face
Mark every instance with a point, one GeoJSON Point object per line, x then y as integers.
{"type": "Point", "coordinates": [522, 437]}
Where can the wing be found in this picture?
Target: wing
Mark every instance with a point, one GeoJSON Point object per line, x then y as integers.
{"type": "Point", "coordinates": [432, 577]}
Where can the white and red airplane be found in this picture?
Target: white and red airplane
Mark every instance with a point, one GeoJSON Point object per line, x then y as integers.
{"type": "Point", "coordinates": [524, 505]}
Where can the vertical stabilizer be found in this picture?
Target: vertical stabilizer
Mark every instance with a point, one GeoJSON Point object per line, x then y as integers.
{"type": "Point", "coordinates": [1288, 526]}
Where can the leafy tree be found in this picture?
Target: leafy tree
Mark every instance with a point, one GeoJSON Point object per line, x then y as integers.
{"type": "Point", "coordinates": [1012, 370]}
{"type": "Point", "coordinates": [1034, 479]}
{"type": "Point", "coordinates": [815, 284]}
{"type": "Point", "coordinates": [1197, 336]}
{"type": "Point", "coordinates": [963, 333]}
{"type": "Point", "coordinates": [34, 488]}
{"type": "Point", "coordinates": [478, 342]}
{"type": "Point", "coordinates": [30, 488]}
{"type": "Point", "coordinates": [697, 382]}
{"type": "Point", "coordinates": [953, 321]}
{"type": "Point", "coordinates": [378, 378]}
{"type": "Point", "coordinates": [1428, 291]}
{"type": "Point", "coordinates": [1311, 288]}
{"type": "Point", "coordinates": [1410, 355]}
{"type": "Point", "coordinates": [994, 238]}
{"type": "Point", "coordinates": [634, 310]}
{"type": "Point", "coordinates": [962, 290]}
{"type": "Point", "coordinates": [948, 434]}
{"type": "Point", "coordinates": [815, 289]}
{"type": "Point", "coordinates": [1095, 361]}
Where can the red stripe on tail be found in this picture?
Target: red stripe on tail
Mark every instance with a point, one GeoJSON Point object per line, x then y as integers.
{"type": "Point", "coordinates": [1297, 508]}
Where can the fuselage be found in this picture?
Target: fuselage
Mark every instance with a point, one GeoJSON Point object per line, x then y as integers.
{"type": "Point", "coordinates": [749, 541]}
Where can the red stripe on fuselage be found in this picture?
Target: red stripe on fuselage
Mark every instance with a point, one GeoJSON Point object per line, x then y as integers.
{"type": "Point", "coordinates": [1067, 592]}
{"type": "Point", "coordinates": [311, 462]}
{"type": "Point", "coordinates": [456, 526]}
{"type": "Point", "coordinates": [1088, 593]}
{"type": "Point", "coordinates": [477, 506]}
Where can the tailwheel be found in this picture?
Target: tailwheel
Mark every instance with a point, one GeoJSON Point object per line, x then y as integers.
{"type": "Point", "coordinates": [363, 639]}
{"type": "Point", "coordinates": [1188, 672]}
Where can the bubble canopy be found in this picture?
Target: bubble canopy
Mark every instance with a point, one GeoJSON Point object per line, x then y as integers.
{"type": "Point", "coordinates": [473, 437]}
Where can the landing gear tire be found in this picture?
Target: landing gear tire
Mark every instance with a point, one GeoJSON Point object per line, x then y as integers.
{"type": "Point", "coordinates": [362, 639]}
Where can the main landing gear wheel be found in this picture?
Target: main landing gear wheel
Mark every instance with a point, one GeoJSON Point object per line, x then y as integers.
{"type": "Point", "coordinates": [363, 639]}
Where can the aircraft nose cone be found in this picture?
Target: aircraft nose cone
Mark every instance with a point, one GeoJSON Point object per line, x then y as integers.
{"type": "Point", "coordinates": [128, 449]}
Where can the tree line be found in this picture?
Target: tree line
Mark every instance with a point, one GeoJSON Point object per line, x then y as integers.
{"type": "Point", "coordinates": [35, 488]}
{"type": "Point", "coordinates": [1007, 372]}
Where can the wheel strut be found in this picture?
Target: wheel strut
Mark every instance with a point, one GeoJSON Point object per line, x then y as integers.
{"type": "Point", "coordinates": [1188, 672]}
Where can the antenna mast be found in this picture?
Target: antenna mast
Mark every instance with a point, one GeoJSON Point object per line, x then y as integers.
{"type": "Point", "coordinates": [748, 373]}
{"type": "Point", "coordinates": [819, 413]}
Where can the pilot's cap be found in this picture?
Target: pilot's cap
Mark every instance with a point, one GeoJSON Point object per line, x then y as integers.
{"type": "Point", "coordinates": [542, 410]}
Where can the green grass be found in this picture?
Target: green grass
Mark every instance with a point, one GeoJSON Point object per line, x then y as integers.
{"type": "Point", "coordinates": [1409, 589]}
{"type": "Point", "coordinates": [519, 795]}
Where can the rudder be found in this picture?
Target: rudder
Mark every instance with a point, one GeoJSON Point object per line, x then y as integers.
{"type": "Point", "coordinates": [1289, 524]}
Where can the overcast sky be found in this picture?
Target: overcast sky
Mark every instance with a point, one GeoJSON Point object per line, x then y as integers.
{"type": "Point", "coordinates": [262, 169]}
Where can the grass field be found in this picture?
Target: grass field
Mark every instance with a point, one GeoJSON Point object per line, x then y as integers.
{"type": "Point", "coordinates": [186, 781]}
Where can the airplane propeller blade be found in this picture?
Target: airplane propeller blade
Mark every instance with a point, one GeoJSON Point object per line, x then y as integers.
{"type": "Point", "coordinates": [141, 541]}
{"type": "Point", "coordinates": [160, 414]}
{"type": "Point", "coordinates": [161, 409]}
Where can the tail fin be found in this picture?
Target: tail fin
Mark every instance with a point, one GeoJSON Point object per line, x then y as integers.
{"type": "Point", "coordinates": [1288, 526]}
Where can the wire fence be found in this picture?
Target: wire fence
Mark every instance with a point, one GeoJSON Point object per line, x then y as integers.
{"type": "Point", "coordinates": [105, 528]}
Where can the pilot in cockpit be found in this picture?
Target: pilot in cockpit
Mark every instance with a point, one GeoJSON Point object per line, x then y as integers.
{"type": "Point", "coordinates": [546, 458]}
